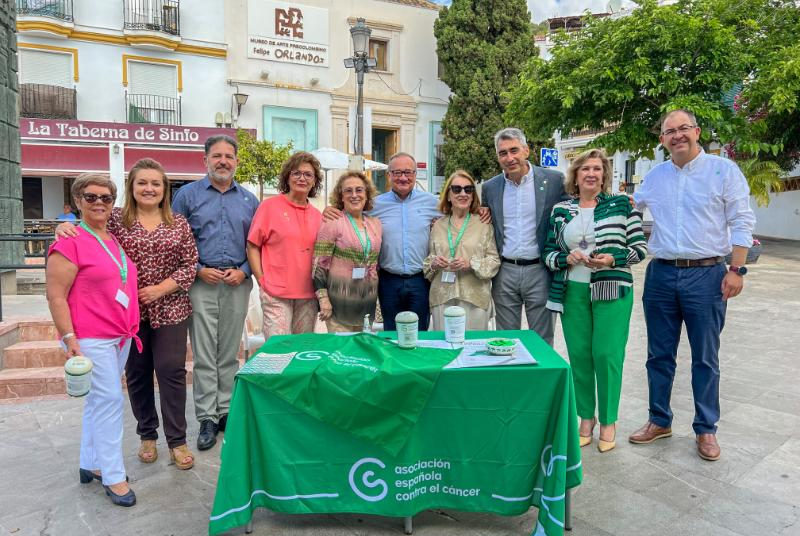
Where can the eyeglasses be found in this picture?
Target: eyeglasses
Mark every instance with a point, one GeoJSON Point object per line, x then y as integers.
{"type": "Point", "coordinates": [403, 172]}
{"type": "Point", "coordinates": [457, 188]}
{"type": "Point", "coordinates": [683, 129]}
{"type": "Point", "coordinates": [307, 175]}
{"type": "Point", "coordinates": [350, 191]}
{"type": "Point", "coordinates": [107, 199]}
{"type": "Point", "coordinates": [514, 151]}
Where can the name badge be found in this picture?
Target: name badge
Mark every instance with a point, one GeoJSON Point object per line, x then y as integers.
{"type": "Point", "coordinates": [122, 299]}
{"type": "Point", "coordinates": [359, 272]}
{"type": "Point", "coordinates": [448, 277]}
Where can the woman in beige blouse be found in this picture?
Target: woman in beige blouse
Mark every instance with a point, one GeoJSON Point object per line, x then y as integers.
{"type": "Point", "coordinates": [462, 255]}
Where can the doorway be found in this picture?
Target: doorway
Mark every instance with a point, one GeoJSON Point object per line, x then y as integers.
{"type": "Point", "coordinates": [384, 145]}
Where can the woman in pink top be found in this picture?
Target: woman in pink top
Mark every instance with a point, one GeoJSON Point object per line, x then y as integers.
{"type": "Point", "coordinates": [280, 248]}
{"type": "Point", "coordinates": [91, 290]}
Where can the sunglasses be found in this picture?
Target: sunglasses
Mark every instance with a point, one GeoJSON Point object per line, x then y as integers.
{"type": "Point", "coordinates": [107, 199]}
{"type": "Point", "coordinates": [456, 189]}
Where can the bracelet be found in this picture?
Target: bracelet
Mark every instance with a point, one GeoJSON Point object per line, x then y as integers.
{"type": "Point", "coordinates": [67, 336]}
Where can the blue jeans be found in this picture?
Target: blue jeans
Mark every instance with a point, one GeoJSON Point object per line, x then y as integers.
{"type": "Point", "coordinates": [400, 293]}
{"type": "Point", "coordinates": [692, 296]}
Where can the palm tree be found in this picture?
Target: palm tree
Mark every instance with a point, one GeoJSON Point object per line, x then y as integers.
{"type": "Point", "coordinates": [763, 177]}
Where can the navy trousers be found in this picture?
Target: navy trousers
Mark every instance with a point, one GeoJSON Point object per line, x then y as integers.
{"type": "Point", "coordinates": [400, 293]}
{"type": "Point", "coordinates": [692, 296]}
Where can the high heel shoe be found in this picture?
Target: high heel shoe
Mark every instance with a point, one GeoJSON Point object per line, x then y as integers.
{"type": "Point", "coordinates": [586, 440]}
{"type": "Point", "coordinates": [87, 476]}
{"type": "Point", "coordinates": [605, 446]}
{"type": "Point", "coordinates": [128, 499]}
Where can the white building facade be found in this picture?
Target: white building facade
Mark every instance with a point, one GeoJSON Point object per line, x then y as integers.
{"type": "Point", "coordinates": [288, 57]}
{"type": "Point", "coordinates": [105, 83]}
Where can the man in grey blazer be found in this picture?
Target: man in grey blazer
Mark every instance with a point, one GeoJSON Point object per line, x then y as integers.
{"type": "Point", "coordinates": [520, 200]}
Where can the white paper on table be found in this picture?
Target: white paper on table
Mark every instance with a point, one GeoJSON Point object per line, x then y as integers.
{"type": "Point", "coordinates": [475, 354]}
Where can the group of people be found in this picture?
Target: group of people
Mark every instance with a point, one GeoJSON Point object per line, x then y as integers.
{"type": "Point", "coordinates": [536, 242]}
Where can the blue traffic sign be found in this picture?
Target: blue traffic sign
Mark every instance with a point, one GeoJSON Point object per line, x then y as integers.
{"type": "Point", "coordinates": [549, 157]}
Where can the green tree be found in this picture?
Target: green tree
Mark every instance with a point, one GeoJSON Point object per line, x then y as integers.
{"type": "Point", "coordinates": [626, 72]}
{"type": "Point", "coordinates": [771, 95]}
{"type": "Point", "coordinates": [482, 44]}
{"type": "Point", "coordinates": [260, 161]}
{"type": "Point", "coordinates": [735, 64]}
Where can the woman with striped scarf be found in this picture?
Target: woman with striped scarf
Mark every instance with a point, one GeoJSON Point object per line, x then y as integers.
{"type": "Point", "coordinates": [594, 238]}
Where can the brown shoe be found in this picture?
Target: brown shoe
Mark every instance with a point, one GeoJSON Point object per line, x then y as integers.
{"type": "Point", "coordinates": [649, 433]}
{"type": "Point", "coordinates": [707, 447]}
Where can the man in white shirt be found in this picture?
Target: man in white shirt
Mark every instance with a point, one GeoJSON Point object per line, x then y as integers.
{"type": "Point", "coordinates": [701, 211]}
{"type": "Point", "coordinates": [521, 199]}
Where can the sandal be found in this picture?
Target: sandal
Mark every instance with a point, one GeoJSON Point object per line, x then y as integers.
{"type": "Point", "coordinates": [178, 454]}
{"type": "Point", "coordinates": [147, 451]}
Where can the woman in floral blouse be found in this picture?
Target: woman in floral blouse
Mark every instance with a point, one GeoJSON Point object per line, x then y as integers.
{"type": "Point", "coordinates": [346, 257]}
{"type": "Point", "coordinates": [162, 246]}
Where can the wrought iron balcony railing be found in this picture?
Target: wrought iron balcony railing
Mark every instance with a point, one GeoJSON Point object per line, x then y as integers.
{"type": "Point", "coordinates": [57, 9]}
{"type": "Point", "coordinates": [156, 15]}
{"type": "Point", "coordinates": [153, 109]}
{"type": "Point", "coordinates": [47, 102]}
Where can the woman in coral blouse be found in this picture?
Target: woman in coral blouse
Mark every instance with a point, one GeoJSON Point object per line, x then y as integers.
{"type": "Point", "coordinates": [280, 248]}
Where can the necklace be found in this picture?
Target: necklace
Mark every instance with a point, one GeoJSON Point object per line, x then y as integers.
{"type": "Point", "coordinates": [583, 244]}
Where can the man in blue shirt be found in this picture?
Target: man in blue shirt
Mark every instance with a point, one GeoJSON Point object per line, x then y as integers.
{"type": "Point", "coordinates": [406, 215]}
{"type": "Point", "coordinates": [219, 212]}
{"type": "Point", "coordinates": [68, 215]}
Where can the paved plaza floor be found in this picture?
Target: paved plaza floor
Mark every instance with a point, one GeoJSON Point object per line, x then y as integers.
{"type": "Point", "coordinates": [663, 488]}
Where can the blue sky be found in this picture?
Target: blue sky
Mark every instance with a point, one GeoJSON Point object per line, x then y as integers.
{"type": "Point", "coordinates": [545, 9]}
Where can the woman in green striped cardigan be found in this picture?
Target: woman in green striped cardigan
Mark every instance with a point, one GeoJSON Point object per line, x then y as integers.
{"type": "Point", "coordinates": [594, 238]}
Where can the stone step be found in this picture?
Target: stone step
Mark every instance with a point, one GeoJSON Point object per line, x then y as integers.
{"type": "Point", "coordinates": [36, 330]}
{"type": "Point", "coordinates": [33, 354]}
{"type": "Point", "coordinates": [33, 382]}
{"type": "Point", "coordinates": [31, 289]}
{"type": "Point", "coordinates": [48, 353]}
{"type": "Point", "coordinates": [30, 382]}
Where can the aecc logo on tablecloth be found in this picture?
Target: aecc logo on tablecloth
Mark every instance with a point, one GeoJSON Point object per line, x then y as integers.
{"type": "Point", "coordinates": [366, 480]}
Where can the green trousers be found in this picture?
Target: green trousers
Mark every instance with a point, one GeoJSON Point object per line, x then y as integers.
{"type": "Point", "coordinates": [596, 334]}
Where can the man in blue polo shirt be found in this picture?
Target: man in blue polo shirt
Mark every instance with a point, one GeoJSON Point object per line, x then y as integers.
{"type": "Point", "coordinates": [219, 212]}
{"type": "Point", "coordinates": [406, 215]}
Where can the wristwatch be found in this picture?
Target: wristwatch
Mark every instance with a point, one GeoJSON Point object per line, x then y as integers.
{"type": "Point", "coordinates": [741, 270]}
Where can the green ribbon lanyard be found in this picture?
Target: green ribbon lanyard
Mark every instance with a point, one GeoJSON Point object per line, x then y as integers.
{"type": "Point", "coordinates": [453, 248]}
{"type": "Point", "coordinates": [123, 268]}
{"type": "Point", "coordinates": [366, 247]}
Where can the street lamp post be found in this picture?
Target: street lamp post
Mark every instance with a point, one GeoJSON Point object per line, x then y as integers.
{"type": "Point", "coordinates": [361, 62]}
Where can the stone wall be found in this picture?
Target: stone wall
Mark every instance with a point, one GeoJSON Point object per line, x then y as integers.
{"type": "Point", "coordinates": [10, 181]}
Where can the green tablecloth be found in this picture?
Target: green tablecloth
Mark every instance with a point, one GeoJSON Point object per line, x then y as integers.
{"type": "Point", "coordinates": [496, 439]}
